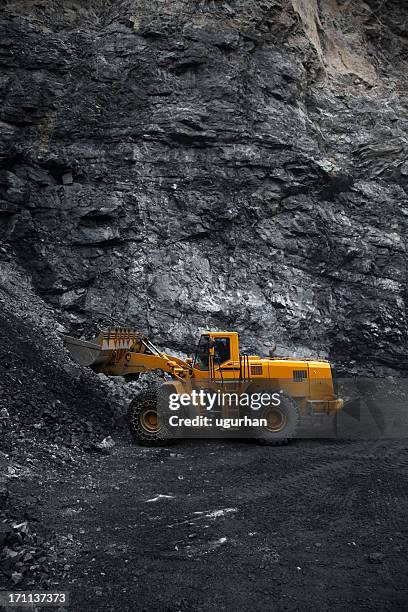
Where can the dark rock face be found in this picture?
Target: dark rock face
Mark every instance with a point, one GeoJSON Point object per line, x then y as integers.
{"type": "Point", "coordinates": [178, 166]}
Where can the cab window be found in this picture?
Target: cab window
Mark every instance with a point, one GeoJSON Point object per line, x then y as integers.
{"type": "Point", "coordinates": [201, 356]}
{"type": "Point", "coordinates": [222, 351]}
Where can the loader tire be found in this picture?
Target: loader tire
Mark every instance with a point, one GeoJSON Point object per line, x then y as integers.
{"type": "Point", "coordinates": [144, 422]}
{"type": "Point", "coordinates": [282, 423]}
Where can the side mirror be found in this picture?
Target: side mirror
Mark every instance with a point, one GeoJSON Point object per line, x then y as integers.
{"type": "Point", "coordinates": [189, 361]}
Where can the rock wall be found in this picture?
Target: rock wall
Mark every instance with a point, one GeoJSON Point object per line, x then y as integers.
{"type": "Point", "coordinates": [186, 165]}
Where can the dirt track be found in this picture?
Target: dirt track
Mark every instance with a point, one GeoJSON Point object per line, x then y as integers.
{"type": "Point", "coordinates": [313, 526]}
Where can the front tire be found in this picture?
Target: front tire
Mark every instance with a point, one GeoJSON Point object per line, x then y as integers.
{"type": "Point", "coordinates": [282, 422]}
{"type": "Point", "coordinates": [144, 422]}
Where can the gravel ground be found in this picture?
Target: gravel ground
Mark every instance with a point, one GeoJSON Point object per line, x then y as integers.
{"type": "Point", "coordinates": [229, 525]}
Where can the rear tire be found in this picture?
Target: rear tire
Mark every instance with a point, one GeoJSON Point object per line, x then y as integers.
{"type": "Point", "coordinates": [282, 422]}
{"type": "Point", "coordinates": [144, 422]}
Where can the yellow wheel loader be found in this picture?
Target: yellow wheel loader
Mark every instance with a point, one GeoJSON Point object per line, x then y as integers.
{"type": "Point", "coordinates": [304, 387]}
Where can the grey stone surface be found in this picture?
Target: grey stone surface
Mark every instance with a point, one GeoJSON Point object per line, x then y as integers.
{"type": "Point", "coordinates": [183, 165]}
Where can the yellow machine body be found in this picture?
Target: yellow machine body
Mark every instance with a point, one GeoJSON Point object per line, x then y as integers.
{"type": "Point", "coordinates": [217, 364]}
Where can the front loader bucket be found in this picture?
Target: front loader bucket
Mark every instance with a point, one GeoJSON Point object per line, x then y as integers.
{"type": "Point", "coordinates": [107, 348]}
{"type": "Point", "coordinates": [83, 352]}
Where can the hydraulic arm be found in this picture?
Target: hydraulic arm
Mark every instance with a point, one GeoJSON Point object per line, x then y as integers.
{"type": "Point", "coordinates": [124, 352]}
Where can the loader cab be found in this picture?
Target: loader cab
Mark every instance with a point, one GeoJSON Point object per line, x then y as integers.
{"type": "Point", "coordinates": [216, 349]}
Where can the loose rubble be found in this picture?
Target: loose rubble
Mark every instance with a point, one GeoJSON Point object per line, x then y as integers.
{"type": "Point", "coordinates": [51, 413]}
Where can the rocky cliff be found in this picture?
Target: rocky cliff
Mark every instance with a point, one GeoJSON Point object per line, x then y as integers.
{"type": "Point", "coordinates": [185, 165]}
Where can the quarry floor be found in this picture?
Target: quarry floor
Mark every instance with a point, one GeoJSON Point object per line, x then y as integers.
{"type": "Point", "coordinates": [230, 525]}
